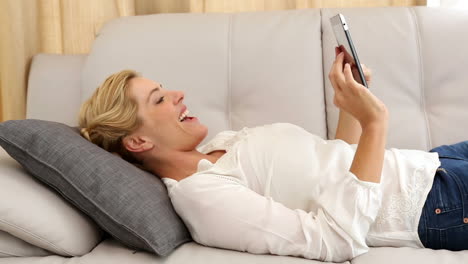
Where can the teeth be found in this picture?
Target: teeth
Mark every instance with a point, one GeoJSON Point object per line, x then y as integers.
{"type": "Point", "coordinates": [183, 115]}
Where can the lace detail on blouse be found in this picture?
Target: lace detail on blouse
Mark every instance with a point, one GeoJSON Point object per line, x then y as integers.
{"type": "Point", "coordinates": [403, 207]}
{"type": "Point", "coordinates": [224, 140]}
{"type": "Point", "coordinates": [227, 165]}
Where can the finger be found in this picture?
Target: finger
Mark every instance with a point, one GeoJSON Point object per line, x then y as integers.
{"type": "Point", "coordinates": [368, 78]}
{"type": "Point", "coordinates": [339, 77]}
{"type": "Point", "coordinates": [349, 76]}
{"type": "Point", "coordinates": [332, 76]}
{"type": "Point", "coordinates": [335, 62]}
{"type": "Point", "coordinates": [339, 60]}
{"type": "Point", "coordinates": [337, 51]}
{"type": "Point", "coordinates": [335, 85]}
{"type": "Point", "coordinates": [336, 72]}
{"type": "Point", "coordinates": [367, 72]}
{"type": "Point", "coordinates": [365, 69]}
{"type": "Point", "coordinates": [337, 55]}
{"type": "Point", "coordinates": [337, 66]}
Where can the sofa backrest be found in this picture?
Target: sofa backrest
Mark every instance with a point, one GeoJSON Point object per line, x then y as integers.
{"type": "Point", "coordinates": [253, 68]}
{"type": "Point", "coordinates": [236, 70]}
{"type": "Point", "coordinates": [417, 56]}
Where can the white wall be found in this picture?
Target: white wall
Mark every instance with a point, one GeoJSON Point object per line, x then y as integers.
{"type": "Point", "coordinates": [448, 3]}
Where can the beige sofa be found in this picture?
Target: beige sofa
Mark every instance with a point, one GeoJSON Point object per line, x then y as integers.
{"type": "Point", "coordinates": [248, 69]}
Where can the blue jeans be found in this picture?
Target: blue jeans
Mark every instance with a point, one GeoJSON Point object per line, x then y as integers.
{"type": "Point", "coordinates": [444, 219]}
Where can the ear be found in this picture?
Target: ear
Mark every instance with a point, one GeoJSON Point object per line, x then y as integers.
{"type": "Point", "coordinates": [136, 143]}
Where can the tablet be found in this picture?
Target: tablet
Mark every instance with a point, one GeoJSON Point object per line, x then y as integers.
{"type": "Point", "coordinates": [343, 37]}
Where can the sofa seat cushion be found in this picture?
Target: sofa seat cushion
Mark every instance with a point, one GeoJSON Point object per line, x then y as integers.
{"type": "Point", "coordinates": [112, 252]}
{"type": "Point", "coordinates": [11, 246]}
{"type": "Point", "coordinates": [406, 255]}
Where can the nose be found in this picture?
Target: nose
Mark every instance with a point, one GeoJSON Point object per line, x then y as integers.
{"type": "Point", "coordinates": [178, 97]}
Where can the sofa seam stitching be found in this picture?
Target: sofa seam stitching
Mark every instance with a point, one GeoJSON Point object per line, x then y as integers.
{"type": "Point", "coordinates": [324, 77]}
{"type": "Point", "coordinates": [421, 78]}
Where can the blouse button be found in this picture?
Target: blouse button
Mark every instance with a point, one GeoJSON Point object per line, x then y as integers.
{"type": "Point", "coordinates": [438, 211]}
{"type": "Point", "coordinates": [465, 220]}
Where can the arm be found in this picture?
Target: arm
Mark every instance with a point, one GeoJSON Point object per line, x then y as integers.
{"type": "Point", "coordinates": [223, 214]}
{"type": "Point", "coordinates": [349, 129]}
{"type": "Point", "coordinates": [372, 115]}
{"type": "Point", "coordinates": [368, 160]}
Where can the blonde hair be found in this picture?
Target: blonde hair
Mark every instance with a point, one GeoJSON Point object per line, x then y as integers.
{"type": "Point", "coordinates": [110, 114]}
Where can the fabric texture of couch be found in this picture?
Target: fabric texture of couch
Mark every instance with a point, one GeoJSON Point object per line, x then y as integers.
{"type": "Point", "coordinates": [247, 69]}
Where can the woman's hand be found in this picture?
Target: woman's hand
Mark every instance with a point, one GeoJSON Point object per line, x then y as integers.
{"type": "Point", "coordinates": [366, 71]}
{"type": "Point", "coordinates": [353, 97]}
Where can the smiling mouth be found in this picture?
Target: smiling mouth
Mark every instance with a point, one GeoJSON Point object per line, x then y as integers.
{"type": "Point", "coordinates": [184, 116]}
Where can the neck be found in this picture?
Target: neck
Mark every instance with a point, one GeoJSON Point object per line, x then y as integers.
{"type": "Point", "coordinates": [178, 165]}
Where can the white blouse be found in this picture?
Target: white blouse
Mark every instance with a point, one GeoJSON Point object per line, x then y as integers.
{"type": "Point", "coordinates": [282, 190]}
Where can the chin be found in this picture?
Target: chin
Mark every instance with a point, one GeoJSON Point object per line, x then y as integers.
{"type": "Point", "coordinates": [203, 134]}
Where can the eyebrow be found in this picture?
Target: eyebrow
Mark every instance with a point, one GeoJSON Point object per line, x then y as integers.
{"type": "Point", "coordinates": [152, 91]}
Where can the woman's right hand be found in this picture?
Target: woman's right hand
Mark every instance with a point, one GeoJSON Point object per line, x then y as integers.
{"type": "Point", "coordinates": [353, 97]}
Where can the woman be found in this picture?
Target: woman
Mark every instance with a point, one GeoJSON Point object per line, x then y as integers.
{"type": "Point", "coordinates": [277, 189]}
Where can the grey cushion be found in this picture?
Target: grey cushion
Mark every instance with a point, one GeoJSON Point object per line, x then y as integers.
{"type": "Point", "coordinates": [130, 204]}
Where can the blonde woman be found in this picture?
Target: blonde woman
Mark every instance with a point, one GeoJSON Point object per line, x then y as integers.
{"type": "Point", "coordinates": [277, 189]}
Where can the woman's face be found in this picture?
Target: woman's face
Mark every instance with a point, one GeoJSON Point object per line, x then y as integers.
{"type": "Point", "coordinates": [161, 111]}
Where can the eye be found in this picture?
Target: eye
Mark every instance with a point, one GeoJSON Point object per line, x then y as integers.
{"type": "Point", "coordinates": [160, 100]}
